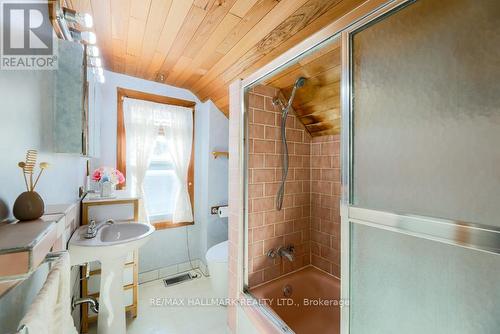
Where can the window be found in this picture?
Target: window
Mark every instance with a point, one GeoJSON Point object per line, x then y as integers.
{"type": "Point", "coordinates": [161, 185]}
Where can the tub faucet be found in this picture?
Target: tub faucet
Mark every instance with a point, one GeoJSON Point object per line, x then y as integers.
{"type": "Point", "coordinates": [287, 252]}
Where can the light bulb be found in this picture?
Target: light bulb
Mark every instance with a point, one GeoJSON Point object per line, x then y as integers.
{"type": "Point", "coordinates": [83, 19]}
{"type": "Point", "coordinates": [89, 37]}
{"type": "Point", "coordinates": [95, 62]}
{"type": "Point", "coordinates": [86, 20]}
{"type": "Point", "coordinates": [93, 51]}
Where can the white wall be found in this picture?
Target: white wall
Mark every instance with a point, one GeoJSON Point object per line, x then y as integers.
{"type": "Point", "coordinates": [168, 247]}
{"type": "Point", "coordinates": [212, 174]}
{"type": "Point", "coordinates": [218, 174]}
{"type": "Point", "coordinates": [26, 115]}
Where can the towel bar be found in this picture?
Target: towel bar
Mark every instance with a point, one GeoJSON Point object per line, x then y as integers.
{"type": "Point", "coordinates": [54, 256]}
{"type": "Point", "coordinates": [217, 154]}
{"type": "Point", "coordinates": [49, 258]}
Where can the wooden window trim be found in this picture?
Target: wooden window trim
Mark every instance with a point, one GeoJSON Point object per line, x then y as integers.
{"type": "Point", "coordinates": [121, 144]}
{"type": "Point", "coordinates": [165, 224]}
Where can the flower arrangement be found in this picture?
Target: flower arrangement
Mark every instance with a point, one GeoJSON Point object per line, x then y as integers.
{"type": "Point", "coordinates": [107, 178]}
{"type": "Point", "coordinates": [103, 174]}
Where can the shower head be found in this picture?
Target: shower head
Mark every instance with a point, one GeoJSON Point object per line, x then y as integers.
{"type": "Point", "coordinates": [301, 81]}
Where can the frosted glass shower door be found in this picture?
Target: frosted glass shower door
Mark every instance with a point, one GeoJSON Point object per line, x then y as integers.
{"type": "Point", "coordinates": [424, 185]}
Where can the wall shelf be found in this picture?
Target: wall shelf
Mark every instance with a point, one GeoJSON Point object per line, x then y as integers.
{"type": "Point", "coordinates": [25, 245]}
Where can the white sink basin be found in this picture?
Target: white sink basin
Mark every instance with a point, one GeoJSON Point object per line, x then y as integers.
{"type": "Point", "coordinates": [120, 233]}
{"type": "Point", "coordinates": [117, 240]}
{"type": "Point", "coordinates": [110, 246]}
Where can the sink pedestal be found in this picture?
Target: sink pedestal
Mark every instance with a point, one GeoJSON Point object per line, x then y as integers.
{"type": "Point", "coordinates": [111, 316]}
{"type": "Point", "coordinates": [110, 246]}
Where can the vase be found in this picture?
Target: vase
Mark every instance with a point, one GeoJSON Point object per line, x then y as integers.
{"type": "Point", "coordinates": [28, 206]}
{"type": "Point", "coordinates": [107, 189]}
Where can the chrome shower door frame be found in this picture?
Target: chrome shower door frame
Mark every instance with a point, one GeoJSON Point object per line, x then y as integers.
{"type": "Point", "coordinates": [346, 150]}
{"type": "Point", "coordinates": [484, 238]}
{"type": "Point", "coordinates": [368, 10]}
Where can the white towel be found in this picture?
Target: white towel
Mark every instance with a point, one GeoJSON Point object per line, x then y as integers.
{"type": "Point", "coordinates": [50, 312]}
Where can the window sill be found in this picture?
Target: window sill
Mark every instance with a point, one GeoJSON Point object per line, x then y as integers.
{"type": "Point", "coordinates": [163, 225]}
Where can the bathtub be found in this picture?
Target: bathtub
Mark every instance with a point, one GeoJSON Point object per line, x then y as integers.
{"type": "Point", "coordinates": [306, 300]}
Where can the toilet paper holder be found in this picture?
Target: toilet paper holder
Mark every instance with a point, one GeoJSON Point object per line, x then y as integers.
{"type": "Point", "coordinates": [214, 210]}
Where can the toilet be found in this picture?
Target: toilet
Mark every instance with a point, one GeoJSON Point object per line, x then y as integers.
{"type": "Point", "coordinates": [217, 266]}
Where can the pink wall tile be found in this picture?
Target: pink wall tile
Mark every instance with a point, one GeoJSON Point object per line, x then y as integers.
{"type": "Point", "coordinates": [264, 146]}
{"type": "Point", "coordinates": [325, 199]}
{"type": "Point", "coordinates": [263, 232]}
{"type": "Point", "coordinates": [263, 117]}
{"type": "Point", "coordinates": [291, 225]}
{"type": "Point", "coordinates": [310, 216]}
{"type": "Point", "coordinates": [234, 202]}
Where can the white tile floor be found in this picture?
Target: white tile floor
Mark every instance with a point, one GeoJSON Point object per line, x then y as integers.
{"type": "Point", "coordinates": [177, 319]}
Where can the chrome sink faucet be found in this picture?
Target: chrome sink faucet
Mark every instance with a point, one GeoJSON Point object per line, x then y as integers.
{"type": "Point", "coordinates": [93, 228]}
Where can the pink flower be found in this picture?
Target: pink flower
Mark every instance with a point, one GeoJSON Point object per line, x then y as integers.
{"type": "Point", "coordinates": [97, 174]}
{"type": "Point", "coordinates": [108, 174]}
{"type": "Point", "coordinates": [119, 176]}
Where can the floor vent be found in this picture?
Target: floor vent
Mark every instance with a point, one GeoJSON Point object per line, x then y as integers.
{"type": "Point", "coordinates": [180, 278]}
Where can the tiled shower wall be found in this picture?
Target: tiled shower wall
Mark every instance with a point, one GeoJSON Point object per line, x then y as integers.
{"type": "Point", "coordinates": [325, 203]}
{"type": "Point", "coordinates": [313, 182]}
{"type": "Point", "coordinates": [269, 228]}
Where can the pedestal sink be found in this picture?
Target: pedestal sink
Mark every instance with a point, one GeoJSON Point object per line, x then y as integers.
{"type": "Point", "coordinates": [110, 247]}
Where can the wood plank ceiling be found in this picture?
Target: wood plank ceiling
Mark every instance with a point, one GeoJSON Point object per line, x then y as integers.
{"type": "Point", "coordinates": [317, 103]}
{"type": "Point", "coordinates": [203, 45]}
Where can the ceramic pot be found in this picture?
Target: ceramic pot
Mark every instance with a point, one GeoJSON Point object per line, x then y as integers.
{"type": "Point", "coordinates": [28, 206]}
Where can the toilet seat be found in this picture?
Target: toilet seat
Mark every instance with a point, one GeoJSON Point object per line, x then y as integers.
{"type": "Point", "coordinates": [218, 253]}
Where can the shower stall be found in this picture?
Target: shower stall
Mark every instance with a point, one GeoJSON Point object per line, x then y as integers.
{"type": "Point", "coordinates": [293, 185]}
{"type": "Point", "coordinates": [389, 210]}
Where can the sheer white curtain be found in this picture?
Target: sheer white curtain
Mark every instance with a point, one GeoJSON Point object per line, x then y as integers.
{"type": "Point", "coordinates": [141, 131]}
{"type": "Point", "coordinates": [143, 122]}
{"type": "Point", "coordinates": [177, 125]}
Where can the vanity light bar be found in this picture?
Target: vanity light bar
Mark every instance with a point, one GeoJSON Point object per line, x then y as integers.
{"type": "Point", "coordinates": [83, 19]}
{"type": "Point", "coordinates": [86, 37]}
{"type": "Point", "coordinates": [72, 25]}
